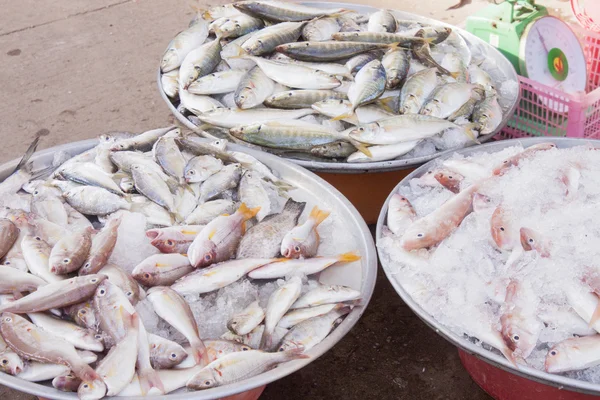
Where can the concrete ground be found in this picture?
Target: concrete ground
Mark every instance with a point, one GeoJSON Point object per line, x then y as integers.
{"type": "Point", "coordinates": [75, 69]}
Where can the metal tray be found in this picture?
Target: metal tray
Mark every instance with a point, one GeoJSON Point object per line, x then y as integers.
{"type": "Point", "coordinates": [474, 43]}
{"type": "Point", "coordinates": [492, 358]}
{"type": "Point", "coordinates": [308, 185]}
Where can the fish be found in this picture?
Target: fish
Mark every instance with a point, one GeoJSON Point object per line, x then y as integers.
{"type": "Point", "coordinates": [101, 248]}
{"type": "Point", "coordinates": [383, 152]}
{"type": "Point", "coordinates": [83, 314]}
{"type": "Point", "coordinates": [286, 267]}
{"type": "Point", "coordinates": [253, 192]}
{"type": "Point", "coordinates": [239, 365]}
{"type": "Point", "coordinates": [401, 128]}
{"type": "Point", "coordinates": [208, 211]}
{"type": "Point", "coordinates": [170, 83]}
{"type": "Point", "coordinates": [433, 228]}
{"type": "Point", "coordinates": [199, 62]}
{"type": "Point", "coordinates": [488, 115]}
{"type": "Point", "coordinates": [295, 75]}
{"type": "Point", "coordinates": [49, 207]}
{"type": "Point", "coordinates": [333, 50]}
{"type": "Point", "coordinates": [217, 276]}
{"type": "Point", "coordinates": [153, 187]}
{"type": "Point", "coordinates": [263, 240]}
{"type": "Point", "coordinates": [167, 155]}
{"type": "Point", "coordinates": [307, 334]}
{"type": "Point", "coordinates": [70, 252]}
{"type": "Point", "coordinates": [246, 320]}
{"type": "Point", "coordinates": [573, 354]}
{"type": "Point", "coordinates": [514, 161]}
{"type": "Point", "coordinates": [287, 134]}
{"type": "Point", "coordinates": [355, 63]}
{"type": "Point", "coordinates": [92, 200]}
{"type": "Point", "coordinates": [520, 326]}
{"type": "Point", "coordinates": [422, 52]}
{"type": "Point", "coordinates": [113, 311]}
{"type": "Point", "coordinates": [124, 281]}
{"type": "Point", "coordinates": [396, 63]}
{"type": "Point", "coordinates": [22, 172]}
{"type": "Point", "coordinates": [142, 142]}
{"type": "Point", "coordinates": [175, 239]}
{"type": "Point", "coordinates": [217, 82]}
{"type": "Point", "coordinates": [279, 303]}
{"type": "Point", "coordinates": [502, 227]}
{"type": "Point", "coordinates": [280, 11]}
{"type": "Point", "coordinates": [368, 85]}
{"type": "Point", "coordinates": [303, 240]}
{"type": "Point", "coordinates": [299, 99]}
{"type": "Point", "coordinates": [326, 294]}
{"type": "Point", "coordinates": [294, 317]}
{"type": "Point", "coordinates": [171, 307]}
{"type": "Point", "coordinates": [79, 337]}
{"type": "Point", "coordinates": [33, 343]}
{"type": "Point", "coordinates": [230, 118]}
{"type": "Point", "coordinates": [182, 45]}
{"type": "Point", "coordinates": [172, 380]}
{"type": "Point", "coordinates": [447, 100]}
{"type": "Point", "coordinates": [319, 29]}
{"type": "Point", "coordinates": [14, 281]}
{"type": "Point", "coordinates": [362, 115]}
{"type": "Point", "coordinates": [196, 104]}
{"type": "Point", "coordinates": [482, 203]}
{"type": "Point", "coordinates": [227, 178]}
{"type": "Point", "coordinates": [66, 383]}
{"type": "Point", "coordinates": [147, 376]}
{"type": "Point", "coordinates": [237, 26]}
{"type": "Point", "coordinates": [8, 236]}
{"type": "Point", "coordinates": [200, 168]}
{"type": "Point", "coordinates": [34, 371]}
{"type": "Point", "coordinates": [400, 214]}
{"type": "Point", "coordinates": [338, 149]}
{"type": "Point", "coordinates": [477, 76]}
{"type": "Point", "coordinates": [417, 90]}
{"type": "Point", "coordinates": [267, 39]}
{"type": "Point", "coordinates": [56, 295]}
{"type": "Point", "coordinates": [338, 70]}
{"type": "Point", "coordinates": [467, 168]}
{"type": "Point", "coordinates": [450, 181]}
{"type": "Point", "coordinates": [87, 173]}
{"type": "Point", "coordinates": [253, 88]}
{"type": "Point", "coordinates": [455, 64]}
{"type": "Point", "coordinates": [382, 21]}
{"type": "Point", "coordinates": [533, 241]}
{"type": "Point", "coordinates": [392, 40]}
{"type": "Point", "coordinates": [165, 353]}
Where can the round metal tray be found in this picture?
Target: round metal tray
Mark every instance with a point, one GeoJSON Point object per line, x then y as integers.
{"type": "Point", "coordinates": [308, 186]}
{"type": "Point", "coordinates": [492, 358]}
{"type": "Point", "coordinates": [474, 43]}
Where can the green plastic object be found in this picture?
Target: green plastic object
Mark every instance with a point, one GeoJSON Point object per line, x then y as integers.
{"type": "Point", "coordinates": [502, 25]}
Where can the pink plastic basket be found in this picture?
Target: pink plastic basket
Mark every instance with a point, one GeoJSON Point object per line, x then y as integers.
{"type": "Point", "coordinates": [586, 11]}
{"type": "Point", "coordinates": [545, 111]}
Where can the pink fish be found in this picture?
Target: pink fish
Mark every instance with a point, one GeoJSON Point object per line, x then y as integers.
{"type": "Point", "coordinates": [517, 158]}
{"type": "Point", "coordinates": [481, 202]}
{"type": "Point", "coordinates": [532, 240]}
{"type": "Point", "coordinates": [436, 226]}
{"type": "Point", "coordinates": [400, 213]}
{"type": "Point", "coordinates": [449, 180]}
{"type": "Point", "coordinates": [573, 354]}
{"type": "Point", "coordinates": [503, 232]}
{"type": "Point", "coordinates": [176, 239]}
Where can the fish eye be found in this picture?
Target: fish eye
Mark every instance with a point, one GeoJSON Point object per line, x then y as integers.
{"type": "Point", "coordinates": [245, 348]}
{"type": "Point", "coordinates": [101, 292]}
{"type": "Point", "coordinates": [86, 386]}
{"type": "Point", "coordinates": [502, 228]}
{"type": "Point", "coordinates": [234, 323]}
{"type": "Point", "coordinates": [516, 338]}
{"type": "Point", "coordinates": [129, 294]}
{"type": "Point", "coordinates": [38, 238]}
{"type": "Point", "coordinates": [192, 172]}
{"type": "Point", "coordinates": [281, 349]}
{"type": "Point", "coordinates": [420, 235]}
{"type": "Point", "coordinates": [307, 44]}
{"type": "Point", "coordinates": [4, 361]}
{"type": "Point", "coordinates": [530, 240]}
{"type": "Point", "coordinates": [173, 356]}
{"type": "Point", "coordinates": [98, 337]}
{"type": "Point", "coordinates": [83, 312]}
{"type": "Point", "coordinates": [290, 94]}
{"type": "Point", "coordinates": [94, 280]}
{"type": "Point", "coordinates": [87, 265]}
{"type": "Point", "coordinates": [153, 345]}
{"type": "Point", "coordinates": [208, 257]}
{"type": "Point", "coordinates": [6, 262]}
{"type": "Point", "coordinates": [67, 261]}
{"type": "Point", "coordinates": [553, 353]}
{"type": "Point", "coordinates": [297, 248]}
{"type": "Point", "coordinates": [8, 319]}
{"type": "Point", "coordinates": [36, 193]}
{"type": "Point", "coordinates": [147, 275]}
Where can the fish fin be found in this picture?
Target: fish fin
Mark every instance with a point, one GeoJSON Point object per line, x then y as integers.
{"type": "Point", "coordinates": [30, 150]}
{"type": "Point", "coordinates": [318, 215]}
{"type": "Point", "coordinates": [455, 74]}
{"type": "Point", "coordinates": [420, 33]}
{"type": "Point", "coordinates": [363, 148]}
{"type": "Point", "coordinates": [295, 354]}
{"type": "Point", "coordinates": [595, 315]}
{"type": "Point", "coordinates": [348, 257]}
{"type": "Point", "coordinates": [17, 295]}
{"type": "Point", "coordinates": [212, 234]}
{"type": "Point", "coordinates": [385, 104]}
{"type": "Point", "coordinates": [239, 52]}
{"type": "Point", "coordinates": [199, 352]}
{"type": "Point", "coordinates": [42, 173]}
{"type": "Point", "coordinates": [283, 186]}
{"type": "Point", "coordinates": [396, 45]}
{"type": "Point", "coordinates": [248, 213]}
{"type": "Point", "coordinates": [469, 128]}
{"type": "Point", "coordinates": [343, 116]}
{"type": "Point", "coordinates": [506, 352]}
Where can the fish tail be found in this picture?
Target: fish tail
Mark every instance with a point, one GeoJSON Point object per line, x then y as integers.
{"type": "Point", "coordinates": [363, 148]}
{"type": "Point", "coordinates": [344, 116]}
{"type": "Point", "coordinates": [455, 74]}
{"type": "Point", "coordinates": [149, 379]}
{"type": "Point", "coordinates": [266, 342]}
{"type": "Point", "coordinates": [395, 45]}
{"type": "Point", "coordinates": [29, 152]}
{"type": "Point", "coordinates": [295, 354]}
{"type": "Point", "coordinates": [386, 104]}
{"type": "Point", "coordinates": [199, 352]}
{"type": "Point", "coordinates": [283, 186]}
{"type": "Point", "coordinates": [348, 257]}
{"type": "Point", "coordinates": [595, 315]}
{"type": "Point", "coordinates": [470, 131]}
{"type": "Point", "coordinates": [239, 52]}
{"type": "Point", "coordinates": [318, 215]}
{"type": "Point", "coordinates": [248, 213]}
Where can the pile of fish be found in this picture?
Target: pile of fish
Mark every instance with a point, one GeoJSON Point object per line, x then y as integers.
{"type": "Point", "coordinates": [213, 217]}
{"type": "Point", "coordinates": [328, 84]}
{"type": "Point", "coordinates": [503, 247]}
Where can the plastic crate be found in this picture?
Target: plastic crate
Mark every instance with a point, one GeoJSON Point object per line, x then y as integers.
{"type": "Point", "coordinates": [545, 111]}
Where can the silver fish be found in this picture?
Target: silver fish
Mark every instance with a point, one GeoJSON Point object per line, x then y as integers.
{"type": "Point", "coordinates": [264, 239]}
{"type": "Point", "coordinates": [92, 200]}
{"type": "Point", "coordinates": [114, 311]}
{"type": "Point", "coordinates": [253, 192]}
{"type": "Point", "coordinates": [246, 320]}
{"type": "Point", "coordinates": [36, 253]}
{"type": "Point", "coordinates": [199, 62]}
{"type": "Point", "coordinates": [416, 90]}
{"type": "Point", "coordinates": [308, 266]}
{"type": "Point", "coordinates": [33, 343]}
{"type": "Point", "coordinates": [319, 30]}
{"type": "Point", "coordinates": [230, 118]}
{"type": "Point", "coordinates": [329, 50]}
{"type": "Point", "coordinates": [182, 44]}
{"type": "Point", "coordinates": [83, 314]}
{"type": "Point", "coordinates": [56, 295]}
{"type": "Point", "coordinates": [294, 99]}
{"type": "Point", "coordinates": [281, 11]}
{"type": "Point", "coordinates": [253, 88]}
{"type": "Point", "coordinates": [279, 303]}
{"type": "Point", "coordinates": [200, 168]}
{"type": "Point", "coordinates": [326, 294]}
{"type": "Point", "coordinates": [238, 25]}
{"type": "Point", "coordinates": [448, 99]}
{"type": "Point", "coordinates": [50, 207]}
{"type": "Point", "coordinates": [307, 334]}
{"type": "Point", "coordinates": [218, 82]}
{"type": "Point", "coordinates": [66, 383]}
{"type": "Point", "coordinates": [208, 211]}
{"type": "Point", "coordinates": [143, 142]}
{"type": "Point", "coordinates": [239, 365]}
{"type": "Point", "coordinates": [454, 63]}
{"type": "Point", "coordinates": [167, 155]}
{"type": "Point", "coordinates": [70, 252]}
{"type": "Point", "coordinates": [294, 317]}
{"type": "Point", "coordinates": [13, 281]}
{"type": "Point", "coordinates": [396, 64]}
{"type": "Point", "coordinates": [153, 187]}
{"type": "Point", "coordinates": [175, 239]}
{"type": "Point", "coordinates": [488, 115]}
{"type": "Point", "coordinates": [382, 21]}
{"type": "Point", "coordinates": [197, 104]}
{"type": "Point", "coordinates": [170, 83]}
{"type": "Point", "coordinates": [227, 178]}
{"type": "Point", "coordinates": [369, 84]}
{"type": "Point", "coordinates": [79, 337]}
{"type": "Point", "coordinates": [335, 150]}
{"type": "Point", "coordinates": [270, 37]}
{"type": "Point", "coordinates": [338, 70]}
{"type": "Point", "coordinates": [171, 307]}
{"type": "Point", "coordinates": [91, 174]}
{"type": "Point", "coordinates": [355, 63]}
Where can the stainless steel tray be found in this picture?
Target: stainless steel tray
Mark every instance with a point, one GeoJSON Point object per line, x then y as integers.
{"type": "Point", "coordinates": [471, 348]}
{"type": "Point", "coordinates": [475, 44]}
{"type": "Point", "coordinates": [308, 186]}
